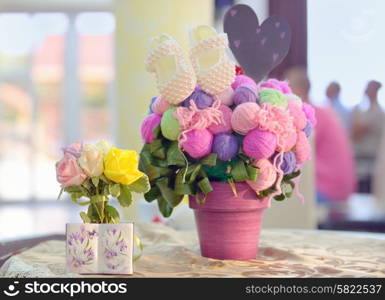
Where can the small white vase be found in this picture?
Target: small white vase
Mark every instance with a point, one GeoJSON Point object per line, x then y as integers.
{"type": "Point", "coordinates": [99, 248]}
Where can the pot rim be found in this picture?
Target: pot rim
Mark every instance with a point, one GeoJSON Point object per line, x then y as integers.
{"type": "Point", "coordinates": [222, 199]}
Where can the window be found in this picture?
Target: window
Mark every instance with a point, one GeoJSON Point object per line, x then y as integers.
{"type": "Point", "coordinates": [56, 86]}
{"type": "Point", "coordinates": [345, 44]}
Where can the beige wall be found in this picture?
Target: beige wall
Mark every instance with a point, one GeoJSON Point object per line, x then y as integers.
{"type": "Point", "coordinates": [136, 22]}
{"type": "Point", "coordinates": [292, 213]}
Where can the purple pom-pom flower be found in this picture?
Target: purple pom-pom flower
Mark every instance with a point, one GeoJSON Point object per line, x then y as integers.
{"type": "Point", "coordinates": [151, 102]}
{"type": "Point", "coordinates": [308, 129]}
{"type": "Point", "coordinates": [202, 100]}
{"type": "Point", "coordinates": [245, 93]}
{"type": "Point", "coordinates": [225, 145]}
{"type": "Point", "coordinates": [289, 162]}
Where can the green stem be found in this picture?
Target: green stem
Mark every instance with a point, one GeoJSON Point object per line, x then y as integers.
{"type": "Point", "coordinates": [99, 206]}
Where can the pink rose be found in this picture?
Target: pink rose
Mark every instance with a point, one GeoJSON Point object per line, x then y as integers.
{"type": "Point", "coordinates": [74, 149]}
{"type": "Point", "coordinates": [68, 171]}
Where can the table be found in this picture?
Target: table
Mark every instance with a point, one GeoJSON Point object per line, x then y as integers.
{"type": "Point", "coordinates": [171, 253]}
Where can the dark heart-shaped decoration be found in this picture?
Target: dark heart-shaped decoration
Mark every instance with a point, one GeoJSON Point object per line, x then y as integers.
{"type": "Point", "coordinates": [258, 49]}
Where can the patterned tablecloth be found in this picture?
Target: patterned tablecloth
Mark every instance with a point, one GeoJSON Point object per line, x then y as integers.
{"type": "Point", "coordinates": [170, 253]}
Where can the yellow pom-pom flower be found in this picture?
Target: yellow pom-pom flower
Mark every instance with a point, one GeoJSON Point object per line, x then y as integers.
{"type": "Point", "coordinates": [121, 166]}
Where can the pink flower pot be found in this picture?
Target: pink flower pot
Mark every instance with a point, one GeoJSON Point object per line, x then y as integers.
{"type": "Point", "coordinates": [229, 225]}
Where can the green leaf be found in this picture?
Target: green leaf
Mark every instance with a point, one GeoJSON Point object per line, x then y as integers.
{"type": "Point", "coordinates": [266, 192]}
{"type": "Point", "coordinates": [114, 189]}
{"type": "Point", "coordinates": [157, 149]}
{"type": "Point", "coordinates": [142, 185]}
{"type": "Point", "coordinates": [147, 166]}
{"type": "Point", "coordinates": [95, 181]}
{"type": "Point", "coordinates": [172, 198]}
{"type": "Point", "coordinates": [155, 145]}
{"type": "Point", "coordinates": [152, 194]}
{"type": "Point", "coordinates": [156, 131]}
{"type": "Point", "coordinates": [244, 157]}
{"type": "Point", "coordinates": [194, 173]}
{"type": "Point", "coordinates": [73, 189]}
{"type": "Point", "coordinates": [112, 212]}
{"type": "Point", "coordinates": [239, 172]}
{"type": "Point", "coordinates": [280, 197]}
{"type": "Point", "coordinates": [209, 160]}
{"type": "Point", "coordinates": [85, 217]}
{"type": "Point", "coordinates": [175, 156]}
{"type": "Point", "coordinates": [96, 199]}
{"type": "Point", "coordinates": [182, 188]}
{"type": "Point", "coordinates": [125, 197]}
{"type": "Point", "coordinates": [290, 176]}
{"type": "Point", "coordinates": [87, 184]}
{"type": "Point", "coordinates": [164, 207]}
{"type": "Point", "coordinates": [160, 163]}
{"type": "Point", "coordinates": [75, 196]}
{"type": "Point", "coordinates": [288, 188]}
{"type": "Point", "coordinates": [218, 172]}
{"type": "Point", "coordinates": [92, 214]}
{"type": "Point", "coordinates": [105, 179]}
{"type": "Point", "coordinates": [205, 186]}
{"type": "Point", "coordinates": [202, 173]}
{"type": "Point", "coordinates": [252, 172]}
{"type": "Point", "coordinates": [106, 189]}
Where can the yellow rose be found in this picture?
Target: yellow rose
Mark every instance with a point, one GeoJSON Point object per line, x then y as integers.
{"type": "Point", "coordinates": [121, 166]}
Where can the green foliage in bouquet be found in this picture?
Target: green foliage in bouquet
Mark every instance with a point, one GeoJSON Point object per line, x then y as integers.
{"type": "Point", "coordinates": [91, 174]}
{"type": "Point", "coordinates": [173, 175]}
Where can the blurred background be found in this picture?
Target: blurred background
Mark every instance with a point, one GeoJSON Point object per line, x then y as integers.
{"type": "Point", "coordinates": [73, 70]}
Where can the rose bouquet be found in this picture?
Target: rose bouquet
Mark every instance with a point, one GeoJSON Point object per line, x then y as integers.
{"type": "Point", "coordinates": [96, 172]}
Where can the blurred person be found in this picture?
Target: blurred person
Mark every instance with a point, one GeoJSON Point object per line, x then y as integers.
{"type": "Point", "coordinates": [334, 163]}
{"type": "Point", "coordinates": [379, 174]}
{"type": "Point", "coordinates": [333, 92]}
{"type": "Point", "coordinates": [367, 130]}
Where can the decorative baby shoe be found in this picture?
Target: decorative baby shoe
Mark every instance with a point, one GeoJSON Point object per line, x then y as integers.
{"type": "Point", "coordinates": [214, 69]}
{"type": "Point", "coordinates": [175, 76]}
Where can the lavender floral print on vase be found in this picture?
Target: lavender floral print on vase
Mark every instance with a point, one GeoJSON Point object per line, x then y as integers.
{"type": "Point", "coordinates": [115, 248]}
{"type": "Point", "coordinates": [82, 248]}
{"type": "Point", "coordinates": [100, 248]}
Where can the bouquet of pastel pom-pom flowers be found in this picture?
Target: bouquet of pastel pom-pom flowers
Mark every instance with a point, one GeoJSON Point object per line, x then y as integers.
{"type": "Point", "coordinates": [212, 123]}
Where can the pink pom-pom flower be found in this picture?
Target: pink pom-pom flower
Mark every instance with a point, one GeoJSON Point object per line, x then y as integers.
{"type": "Point", "coordinates": [244, 117]}
{"type": "Point", "coordinates": [225, 123]}
{"type": "Point", "coordinates": [310, 113]}
{"type": "Point", "coordinates": [148, 126]}
{"type": "Point", "coordinates": [225, 97]}
{"type": "Point", "coordinates": [302, 148]}
{"type": "Point", "coordinates": [198, 143]}
{"type": "Point", "coordinates": [273, 83]}
{"type": "Point", "coordinates": [243, 79]}
{"type": "Point", "coordinates": [259, 144]}
{"type": "Point", "coordinates": [160, 105]}
{"type": "Point", "coordinates": [299, 117]}
{"type": "Point", "coordinates": [266, 176]}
